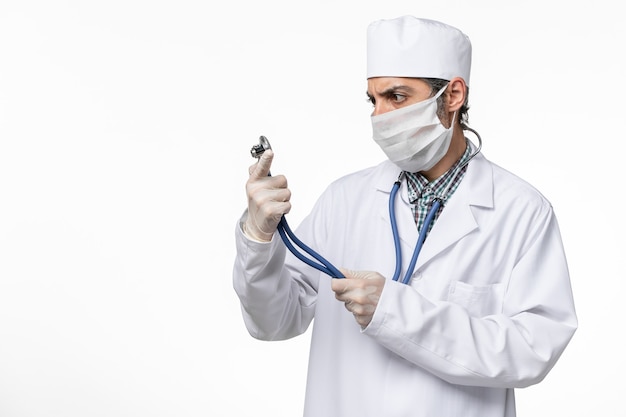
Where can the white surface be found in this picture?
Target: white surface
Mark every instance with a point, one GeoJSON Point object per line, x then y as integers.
{"type": "Point", "coordinates": [125, 130]}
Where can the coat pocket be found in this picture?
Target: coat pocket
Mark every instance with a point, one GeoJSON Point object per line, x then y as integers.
{"type": "Point", "coordinates": [478, 300]}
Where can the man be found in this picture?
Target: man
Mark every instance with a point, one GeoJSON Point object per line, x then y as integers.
{"type": "Point", "coordinates": [487, 306]}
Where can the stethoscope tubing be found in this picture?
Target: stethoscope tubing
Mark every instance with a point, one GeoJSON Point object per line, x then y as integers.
{"type": "Point", "coordinates": [329, 269]}
{"type": "Point", "coordinates": [287, 236]}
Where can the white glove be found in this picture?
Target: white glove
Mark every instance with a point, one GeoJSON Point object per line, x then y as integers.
{"type": "Point", "coordinates": [360, 292]}
{"type": "Point", "coordinates": [268, 199]}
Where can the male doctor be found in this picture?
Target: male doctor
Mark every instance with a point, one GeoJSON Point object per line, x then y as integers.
{"type": "Point", "coordinates": [488, 306]}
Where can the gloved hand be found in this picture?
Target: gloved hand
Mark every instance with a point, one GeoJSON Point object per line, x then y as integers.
{"type": "Point", "coordinates": [268, 199]}
{"type": "Point", "coordinates": [360, 292]}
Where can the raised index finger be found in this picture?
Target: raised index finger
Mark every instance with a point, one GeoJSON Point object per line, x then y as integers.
{"type": "Point", "coordinates": [262, 168]}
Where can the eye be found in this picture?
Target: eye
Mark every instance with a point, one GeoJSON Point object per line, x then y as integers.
{"type": "Point", "coordinates": [371, 100]}
{"type": "Point", "coordinates": [398, 98]}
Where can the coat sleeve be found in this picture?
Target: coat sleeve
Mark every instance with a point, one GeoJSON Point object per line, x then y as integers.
{"type": "Point", "coordinates": [515, 348]}
{"type": "Point", "coordinates": [277, 302]}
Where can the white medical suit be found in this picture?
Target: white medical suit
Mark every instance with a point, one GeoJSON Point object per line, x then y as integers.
{"type": "Point", "coordinates": [489, 307]}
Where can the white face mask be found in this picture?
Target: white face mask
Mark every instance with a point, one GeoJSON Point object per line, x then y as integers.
{"type": "Point", "coordinates": [413, 137]}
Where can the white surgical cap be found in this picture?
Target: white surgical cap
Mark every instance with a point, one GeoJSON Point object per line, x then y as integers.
{"type": "Point", "coordinates": [417, 48]}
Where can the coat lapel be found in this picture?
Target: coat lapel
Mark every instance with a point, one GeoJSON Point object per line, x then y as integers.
{"type": "Point", "coordinates": [457, 220]}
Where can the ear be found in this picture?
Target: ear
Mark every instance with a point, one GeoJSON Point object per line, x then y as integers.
{"type": "Point", "coordinates": [456, 92]}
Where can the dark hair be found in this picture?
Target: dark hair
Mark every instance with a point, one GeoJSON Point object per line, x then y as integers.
{"type": "Point", "coordinates": [437, 84]}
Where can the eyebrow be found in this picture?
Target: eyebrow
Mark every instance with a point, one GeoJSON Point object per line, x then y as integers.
{"type": "Point", "coordinates": [392, 90]}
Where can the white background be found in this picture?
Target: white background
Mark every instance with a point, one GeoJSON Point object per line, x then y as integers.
{"type": "Point", "coordinates": [125, 130]}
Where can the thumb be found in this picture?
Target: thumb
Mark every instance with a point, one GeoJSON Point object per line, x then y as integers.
{"type": "Point", "coordinates": [262, 168]}
{"type": "Point", "coordinates": [350, 274]}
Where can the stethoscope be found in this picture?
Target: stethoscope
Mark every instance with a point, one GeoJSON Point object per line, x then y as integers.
{"type": "Point", "coordinates": [289, 238]}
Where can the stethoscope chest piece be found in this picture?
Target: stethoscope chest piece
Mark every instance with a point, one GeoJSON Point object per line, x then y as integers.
{"type": "Point", "coordinates": [263, 145]}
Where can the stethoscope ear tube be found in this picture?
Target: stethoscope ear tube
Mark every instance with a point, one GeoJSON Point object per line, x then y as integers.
{"type": "Point", "coordinates": [394, 225]}
{"type": "Point", "coordinates": [430, 217]}
{"type": "Point", "coordinates": [396, 235]}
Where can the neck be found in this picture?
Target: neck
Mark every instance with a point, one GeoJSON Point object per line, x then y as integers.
{"type": "Point", "coordinates": [455, 151]}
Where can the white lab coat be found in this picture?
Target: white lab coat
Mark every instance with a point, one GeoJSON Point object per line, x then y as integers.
{"type": "Point", "coordinates": [489, 307]}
